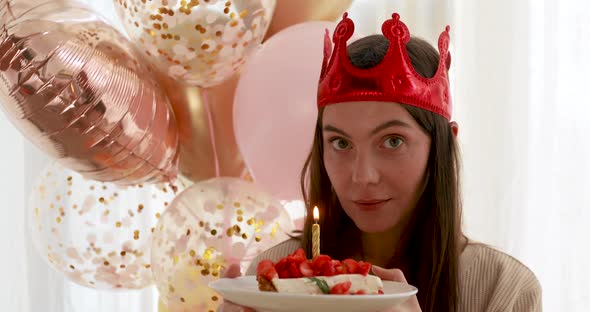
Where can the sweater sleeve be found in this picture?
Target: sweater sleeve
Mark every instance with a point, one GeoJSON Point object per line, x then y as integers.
{"type": "Point", "coordinates": [529, 300]}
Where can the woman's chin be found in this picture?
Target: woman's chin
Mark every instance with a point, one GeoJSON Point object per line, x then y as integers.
{"type": "Point", "coordinates": [372, 226]}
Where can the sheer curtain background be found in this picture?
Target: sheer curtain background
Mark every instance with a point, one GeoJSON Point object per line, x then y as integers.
{"type": "Point", "coordinates": [518, 76]}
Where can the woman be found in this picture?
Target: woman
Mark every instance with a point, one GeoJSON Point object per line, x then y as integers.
{"type": "Point", "coordinates": [384, 171]}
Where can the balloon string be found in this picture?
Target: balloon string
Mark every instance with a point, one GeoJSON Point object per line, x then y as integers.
{"type": "Point", "coordinates": [211, 129]}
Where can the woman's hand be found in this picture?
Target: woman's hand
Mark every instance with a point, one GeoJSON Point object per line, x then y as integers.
{"type": "Point", "coordinates": [232, 271]}
{"type": "Point", "coordinates": [396, 275]}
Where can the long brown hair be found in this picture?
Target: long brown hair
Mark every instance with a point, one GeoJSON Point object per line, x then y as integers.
{"type": "Point", "coordinates": [430, 254]}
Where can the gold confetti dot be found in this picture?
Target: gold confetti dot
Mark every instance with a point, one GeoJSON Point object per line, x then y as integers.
{"type": "Point", "coordinates": [106, 263]}
{"type": "Point", "coordinates": [118, 224]}
{"type": "Point", "coordinates": [171, 288]}
{"type": "Point", "coordinates": [106, 212]}
{"type": "Point", "coordinates": [123, 253]}
{"type": "Point", "coordinates": [205, 272]}
{"type": "Point", "coordinates": [214, 232]}
{"type": "Point", "coordinates": [219, 206]}
{"type": "Point", "coordinates": [244, 236]}
{"type": "Point", "coordinates": [136, 234]}
{"type": "Point", "coordinates": [214, 298]}
{"type": "Point", "coordinates": [147, 266]}
{"type": "Point", "coordinates": [158, 215]}
{"type": "Point", "coordinates": [70, 178]}
{"type": "Point", "coordinates": [101, 200]}
{"type": "Point", "coordinates": [122, 266]}
{"type": "Point", "coordinates": [201, 223]}
{"type": "Point", "coordinates": [92, 188]}
{"type": "Point", "coordinates": [58, 220]}
{"type": "Point", "coordinates": [140, 208]}
{"type": "Point", "coordinates": [192, 253]}
{"type": "Point", "coordinates": [188, 232]}
{"type": "Point", "coordinates": [237, 205]}
{"type": "Point", "coordinates": [240, 218]}
{"type": "Point", "coordinates": [258, 238]}
{"type": "Point", "coordinates": [69, 193]}
{"type": "Point", "coordinates": [72, 267]}
{"type": "Point", "coordinates": [75, 207]}
{"type": "Point", "coordinates": [152, 229]}
{"type": "Point", "coordinates": [182, 299]}
{"type": "Point", "coordinates": [239, 212]}
{"type": "Point", "coordinates": [237, 228]}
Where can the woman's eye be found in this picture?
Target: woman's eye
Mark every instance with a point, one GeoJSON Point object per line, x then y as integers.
{"type": "Point", "coordinates": [393, 142]}
{"type": "Point", "coordinates": [340, 144]}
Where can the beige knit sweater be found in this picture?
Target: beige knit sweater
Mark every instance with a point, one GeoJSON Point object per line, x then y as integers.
{"type": "Point", "coordinates": [489, 279]}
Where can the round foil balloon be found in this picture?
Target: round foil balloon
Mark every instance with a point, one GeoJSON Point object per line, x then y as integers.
{"type": "Point", "coordinates": [210, 225]}
{"type": "Point", "coordinates": [199, 42]}
{"type": "Point", "coordinates": [97, 234]}
{"type": "Point", "coordinates": [80, 92]}
{"type": "Point", "coordinates": [289, 13]}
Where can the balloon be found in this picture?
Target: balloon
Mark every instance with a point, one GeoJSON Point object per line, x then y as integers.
{"type": "Point", "coordinates": [97, 234]}
{"type": "Point", "coordinates": [198, 42]}
{"type": "Point", "coordinates": [209, 226]}
{"type": "Point", "coordinates": [207, 142]}
{"type": "Point", "coordinates": [275, 107]}
{"type": "Point", "coordinates": [77, 89]}
{"type": "Point", "coordinates": [288, 13]}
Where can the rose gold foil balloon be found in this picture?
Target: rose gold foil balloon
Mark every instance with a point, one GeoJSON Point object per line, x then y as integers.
{"type": "Point", "coordinates": [78, 90]}
{"type": "Point", "coordinates": [290, 12]}
{"type": "Point", "coordinates": [97, 234]}
{"type": "Point", "coordinates": [201, 43]}
{"type": "Point", "coordinates": [207, 141]}
{"type": "Point", "coordinates": [209, 226]}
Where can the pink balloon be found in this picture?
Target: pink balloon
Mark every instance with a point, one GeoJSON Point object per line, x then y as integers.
{"type": "Point", "coordinates": [275, 106]}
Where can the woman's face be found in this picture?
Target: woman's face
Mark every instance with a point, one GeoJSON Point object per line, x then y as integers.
{"type": "Point", "coordinates": [375, 155]}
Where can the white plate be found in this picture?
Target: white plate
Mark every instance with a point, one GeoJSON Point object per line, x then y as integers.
{"type": "Point", "coordinates": [244, 291]}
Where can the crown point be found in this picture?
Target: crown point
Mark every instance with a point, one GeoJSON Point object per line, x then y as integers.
{"type": "Point", "coordinates": [345, 15]}
{"type": "Point", "coordinates": [448, 28]}
{"type": "Point", "coordinates": [395, 16]}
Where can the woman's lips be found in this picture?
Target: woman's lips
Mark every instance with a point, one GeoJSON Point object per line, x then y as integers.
{"type": "Point", "coordinates": [370, 204]}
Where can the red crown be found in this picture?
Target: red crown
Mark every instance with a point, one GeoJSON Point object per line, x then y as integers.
{"type": "Point", "coordinates": [392, 80]}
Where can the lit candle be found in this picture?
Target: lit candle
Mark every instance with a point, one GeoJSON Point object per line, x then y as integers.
{"type": "Point", "coordinates": [315, 233]}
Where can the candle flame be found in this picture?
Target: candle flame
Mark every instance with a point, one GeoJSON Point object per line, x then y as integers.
{"type": "Point", "coordinates": [316, 214]}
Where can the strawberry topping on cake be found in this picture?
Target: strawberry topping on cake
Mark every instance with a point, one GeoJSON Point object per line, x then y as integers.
{"type": "Point", "coordinates": [322, 275]}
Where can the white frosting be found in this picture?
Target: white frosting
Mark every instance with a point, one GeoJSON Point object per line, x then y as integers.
{"type": "Point", "coordinates": [369, 284]}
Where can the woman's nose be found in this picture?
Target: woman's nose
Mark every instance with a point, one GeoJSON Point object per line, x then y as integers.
{"type": "Point", "coordinates": [364, 171]}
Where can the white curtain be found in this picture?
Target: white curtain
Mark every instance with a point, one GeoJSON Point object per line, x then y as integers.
{"type": "Point", "coordinates": [519, 74]}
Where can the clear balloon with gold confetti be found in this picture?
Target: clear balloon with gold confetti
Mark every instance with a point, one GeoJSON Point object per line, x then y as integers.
{"type": "Point", "coordinates": [97, 234]}
{"type": "Point", "coordinates": [201, 43]}
{"type": "Point", "coordinates": [209, 226]}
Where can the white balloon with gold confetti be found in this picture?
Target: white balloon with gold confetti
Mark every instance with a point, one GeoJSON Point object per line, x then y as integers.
{"type": "Point", "coordinates": [97, 234]}
{"type": "Point", "coordinates": [209, 226]}
{"type": "Point", "coordinates": [201, 43]}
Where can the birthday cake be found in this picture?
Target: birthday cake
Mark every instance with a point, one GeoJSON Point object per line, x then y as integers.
{"type": "Point", "coordinates": [322, 275]}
